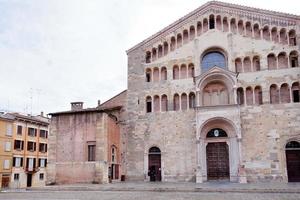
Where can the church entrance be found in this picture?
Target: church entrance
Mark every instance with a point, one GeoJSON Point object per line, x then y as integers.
{"type": "Point", "coordinates": [154, 164]}
{"type": "Point", "coordinates": [292, 150]}
{"type": "Point", "coordinates": [217, 158]}
{"type": "Point", "coordinates": [217, 155]}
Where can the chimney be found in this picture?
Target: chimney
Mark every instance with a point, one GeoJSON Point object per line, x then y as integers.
{"type": "Point", "coordinates": [42, 114]}
{"type": "Point", "coordinates": [76, 105]}
{"type": "Point", "coordinates": [99, 102]}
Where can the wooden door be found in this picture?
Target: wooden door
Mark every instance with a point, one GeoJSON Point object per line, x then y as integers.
{"type": "Point", "coordinates": [5, 181]}
{"type": "Point", "coordinates": [293, 165]}
{"type": "Point", "coordinates": [217, 159]}
{"type": "Point", "coordinates": [155, 163]}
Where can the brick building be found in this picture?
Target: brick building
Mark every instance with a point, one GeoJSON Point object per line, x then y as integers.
{"type": "Point", "coordinates": [85, 143]}
{"type": "Point", "coordinates": [215, 95]}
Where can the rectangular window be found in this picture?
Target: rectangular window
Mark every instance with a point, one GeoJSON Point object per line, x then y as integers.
{"type": "Point", "coordinates": [43, 147]}
{"type": "Point", "coordinates": [19, 130]}
{"type": "Point", "coordinates": [43, 133]}
{"type": "Point", "coordinates": [149, 106]}
{"type": "Point", "coordinates": [42, 162]}
{"type": "Point", "coordinates": [32, 132]}
{"type": "Point", "coordinates": [19, 145]}
{"type": "Point", "coordinates": [41, 176]}
{"type": "Point", "coordinates": [6, 164]}
{"type": "Point", "coordinates": [91, 152]}
{"type": "Point", "coordinates": [7, 146]}
{"type": "Point", "coordinates": [30, 164]}
{"type": "Point", "coordinates": [17, 162]}
{"type": "Point", "coordinates": [31, 146]}
{"type": "Point", "coordinates": [9, 130]}
{"type": "Point", "coordinates": [296, 96]}
{"type": "Point", "coordinates": [16, 177]}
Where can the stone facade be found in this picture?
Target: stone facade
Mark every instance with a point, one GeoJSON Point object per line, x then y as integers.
{"type": "Point", "coordinates": [222, 66]}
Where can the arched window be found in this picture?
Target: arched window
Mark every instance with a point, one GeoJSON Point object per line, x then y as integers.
{"type": "Point", "coordinates": [154, 150]}
{"type": "Point", "coordinates": [292, 38]}
{"type": "Point", "coordinates": [274, 94]}
{"type": "Point", "coordinates": [156, 103]}
{"type": "Point", "coordinates": [148, 104]}
{"type": "Point", "coordinates": [155, 74]}
{"type": "Point", "coordinates": [248, 29]}
{"type": "Point", "coordinates": [148, 57]}
{"type": "Point", "coordinates": [249, 96]}
{"type": "Point", "coordinates": [175, 72]}
{"type": "Point", "coordinates": [179, 40]}
{"type": "Point", "coordinates": [233, 25]}
{"type": "Point", "coordinates": [272, 62]}
{"type": "Point", "coordinates": [241, 27]}
{"type": "Point", "coordinates": [282, 60]}
{"type": "Point", "coordinates": [211, 59]}
{"type": "Point", "coordinates": [256, 63]}
{"type": "Point", "coordinates": [219, 22]}
{"type": "Point", "coordinates": [266, 33]}
{"type": "Point", "coordinates": [191, 71]}
{"type": "Point", "coordinates": [285, 93]}
{"type": "Point", "coordinates": [183, 101]}
{"type": "Point", "coordinates": [114, 154]}
{"type": "Point", "coordinates": [247, 64]}
{"type": "Point", "coordinates": [296, 92]}
{"type": "Point", "coordinates": [164, 103]}
{"type": "Point", "coordinates": [216, 132]}
{"type": "Point", "coordinates": [173, 43]}
{"type": "Point", "coordinates": [192, 99]}
{"type": "Point", "coordinates": [238, 65]}
{"type": "Point", "coordinates": [225, 24]}
{"type": "Point", "coordinates": [258, 95]}
{"type": "Point", "coordinates": [148, 75]}
{"type": "Point", "coordinates": [154, 54]}
{"type": "Point", "coordinates": [199, 28]}
{"type": "Point", "coordinates": [166, 48]}
{"type": "Point", "coordinates": [192, 32]}
{"type": "Point", "coordinates": [294, 59]}
{"type": "Point", "coordinates": [274, 34]}
{"type": "Point", "coordinates": [185, 36]}
{"type": "Point", "coordinates": [240, 96]}
{"type": "Point", "coordinates": [176, 105]}
{"type": "Point", "coordinates": [163, 75]}
{"type": "Point", "coordinates": [160, 51]}
{"type": "Point", "coordinates": [211, 22]}
{"type": "Point", "coordinates": [283, 36]}
{"type": "Point", "coordinates": [205, 25]}
{"type": "Point", "coordinates": [256, 31]}
{"type": "Point", "coordinates": [183, 71]}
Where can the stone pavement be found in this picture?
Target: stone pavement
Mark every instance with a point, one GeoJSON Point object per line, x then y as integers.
{"type": "Point", "coordinates": [177, 187]}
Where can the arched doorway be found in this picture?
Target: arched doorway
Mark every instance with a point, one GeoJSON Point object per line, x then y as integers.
{"type": "Point", "coordinates": [292, 151]}
{"type": "Point", "coordinates": [154, 164]}
{"type": "Point", "coordinates": [217, 155]}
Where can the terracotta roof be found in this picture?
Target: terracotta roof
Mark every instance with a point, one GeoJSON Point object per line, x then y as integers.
{"type": "Point", "coordinates": [33, 119]}
{"type": "Point", "coordinates": [256, 11]}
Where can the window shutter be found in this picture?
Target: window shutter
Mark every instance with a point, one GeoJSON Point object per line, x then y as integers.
{"type": "Point", "coordinates": [39, 162]}
{"type": "Point", "coordinates": [21, 163]}
{"type": "Point", "coordinates": [14, 161]}
{"type": "Point", "coordinates": [45, 162]}
{"type": "Point", "coordinates": [45, 147]}
{"type": "Point", "coordinates": [22, 145]}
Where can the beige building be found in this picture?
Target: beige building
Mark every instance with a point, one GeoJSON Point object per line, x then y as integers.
{"type": "Point", "coordinates": [30, 141]}
{"type": "Point", "coordinates": [215, 95]}
{"type": "Point", "coordinates": [6, 141]}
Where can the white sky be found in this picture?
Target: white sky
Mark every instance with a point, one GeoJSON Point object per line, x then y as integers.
{"type": "Point", "coordinates": [58, 51]}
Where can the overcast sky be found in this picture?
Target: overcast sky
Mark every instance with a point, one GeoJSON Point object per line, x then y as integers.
{"type": "Point", "coordinates": [53, 52]}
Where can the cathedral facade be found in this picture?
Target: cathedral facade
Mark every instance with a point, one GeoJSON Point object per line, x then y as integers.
{"type": "Point", "coordinates": [215, 96]}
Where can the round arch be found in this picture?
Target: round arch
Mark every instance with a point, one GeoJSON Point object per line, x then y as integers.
{"type": "Point", "coordinates": [213, 56]}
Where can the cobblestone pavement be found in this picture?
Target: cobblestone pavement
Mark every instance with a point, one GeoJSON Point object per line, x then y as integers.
{"type": "Point", "coordinates": [138, 195]}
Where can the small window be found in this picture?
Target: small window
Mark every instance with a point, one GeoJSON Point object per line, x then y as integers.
{"type": "Point", "coordinates": [91, 152]}
{"type": "Point", "coordinates": [43, 147]}
{"type": "Point", "coordinates": [113, 154]}
{"type": "Point", "coordinates": [7, 146]}
{"type": "Point", "coordinates": [217, 132]}
{"type": "Point", "coordinates": [17, 162]}
{"type": "Point", "coordinates": [6, 164]}
{"type": "Point", "coordinates": [19, 145]}
{"type": "Point", "coordinates": [9, 130]}
{"type": "Point", "coordinates": [41, 176]}
{"type": "Point", "coordinates": [148, 105]}
{"type": "Point", "coordinates": [296, 92]}
{"type": "Point", "coordinates": [211, 22]}
{"type": "Point", "coordinates": [31, 146]}
{"type": "Point", "coordinates": [16, 177]}
{"type": "Point", "coordinates": [42, 162]}
{"type": "Point", "coordinates": [43, 133]}
{"type": "Point", "coordinates": [32, 132]}
{"type": "Point", "coordinates": [19, 130]}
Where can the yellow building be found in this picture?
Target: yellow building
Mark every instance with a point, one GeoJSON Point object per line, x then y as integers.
{"type": "Point", "coordinates": [6, 143]}
{"type": "Point", "coordinates": [29, 151]}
